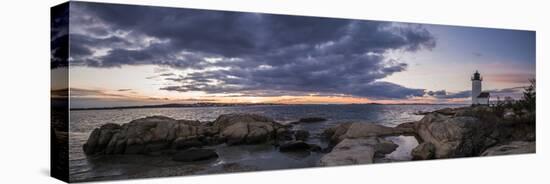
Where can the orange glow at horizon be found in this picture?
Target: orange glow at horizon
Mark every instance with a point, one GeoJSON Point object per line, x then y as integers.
{"type": "Point", "coordinates": [109, 95]}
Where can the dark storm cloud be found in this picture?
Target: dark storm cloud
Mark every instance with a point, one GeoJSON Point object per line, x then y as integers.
{"type": "Point", "coordinates": [442, 94]}
{"type": "Point", "coordinates": [59, 34]}
{"type": "Point", "coordinates": [437, 93]}
{"type": "Point", "coordinates": [248, 53]}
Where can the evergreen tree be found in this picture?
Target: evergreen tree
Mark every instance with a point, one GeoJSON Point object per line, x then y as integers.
{"type": "Point", "coordinates": [529, 95]}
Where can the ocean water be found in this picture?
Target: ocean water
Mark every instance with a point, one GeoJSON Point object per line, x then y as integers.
{"type": "Point", "coordinates": [232, 158]}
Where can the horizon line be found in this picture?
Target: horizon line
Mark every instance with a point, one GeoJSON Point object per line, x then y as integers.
{"type": "Point", "coordinates": [220, 104]}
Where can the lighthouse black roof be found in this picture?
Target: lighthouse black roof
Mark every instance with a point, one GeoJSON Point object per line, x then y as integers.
{"type": "Point", "coordinates": [477, 76]}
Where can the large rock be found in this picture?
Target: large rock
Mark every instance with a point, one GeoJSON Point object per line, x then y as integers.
{"type": "Point", "coordinates": [226, 120]}
{"type": "Point", "coordinates": [357, 151]}
{"type": "Point", "coordinates": [361, 130]}
{"type": "Point", "coordinates": [248, 128]}
{"type": "Point", "coordinates": [334, 133]}
{"type": "Point", "coordinates": [408, 128]}
{"type": "Point", "coordinates": [423, 151]}
{"type": "Point", "coordinates": [447, 111]}
{"type": "Point", "coordinates": [476, 111]}
{"type": "Point", "coordinates": [185, 143]}
{"type": "Point", "coordinates": [156, 133]}
{"type": "Point", "coordinates": [143, 135]}
{"type": "Point", "coordinates": [515, 147]}
{"type": "Point", "coordinates": [468, 131]}
{"type": "Point", "coordinates": [100, 138]}
{"type": "Point", "coordinates": [194, 155]}
{"type": "Point", "coordinates": [455, 136]}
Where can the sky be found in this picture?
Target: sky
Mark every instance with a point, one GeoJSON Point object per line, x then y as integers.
{"type": "Point", "coordinates": [136, 55]}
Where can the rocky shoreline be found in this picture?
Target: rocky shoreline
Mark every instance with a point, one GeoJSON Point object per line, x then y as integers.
{"type": "Point", "coordinates": [446, 133]}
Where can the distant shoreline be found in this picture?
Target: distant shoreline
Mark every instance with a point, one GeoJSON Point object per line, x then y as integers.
{"type": "Point", "coordinates": [230, 105]}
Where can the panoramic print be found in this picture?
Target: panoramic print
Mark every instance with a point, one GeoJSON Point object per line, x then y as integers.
{"type": "Point", "coordinates": [144, 91]}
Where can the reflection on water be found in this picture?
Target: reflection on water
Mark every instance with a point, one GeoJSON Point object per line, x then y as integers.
{"type": "Point", "coordinates": [233, 158]}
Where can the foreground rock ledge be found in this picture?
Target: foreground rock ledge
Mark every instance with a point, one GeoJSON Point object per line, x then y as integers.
{"type": "Point", "coordinates": [447, 133]}
{"type": "Point", "coordinates": [363, 130]}
{"type": "Point", "coordinates": [472, 131]}
{"type": "Point", "coordinates": [156, 133]}
{"type": "Point", "coordinates": [360, 143]}
{"type": "Point", "coordinates": [515, 147]}
{"type": "Point", "coordinates": [357, 151]}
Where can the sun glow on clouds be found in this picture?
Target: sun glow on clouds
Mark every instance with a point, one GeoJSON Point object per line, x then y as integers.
{"type": "Point", "coordinates": [139, 85]}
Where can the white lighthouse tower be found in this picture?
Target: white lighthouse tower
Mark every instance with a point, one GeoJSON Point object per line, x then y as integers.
{"type": "Point", "coordinates": [476, 87]}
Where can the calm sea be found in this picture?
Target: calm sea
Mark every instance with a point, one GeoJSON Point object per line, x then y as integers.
{"type": "Point", "coordinates": [235, 158]}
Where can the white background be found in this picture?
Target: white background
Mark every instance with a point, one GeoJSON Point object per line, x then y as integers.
{"type": "Point", "coordinates": [25, 60]}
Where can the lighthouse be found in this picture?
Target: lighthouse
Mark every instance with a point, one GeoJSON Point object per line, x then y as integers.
{"type": "Point", "coordinates": [478, 97]}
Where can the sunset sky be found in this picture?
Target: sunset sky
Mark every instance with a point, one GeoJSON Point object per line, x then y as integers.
{"type": "Point", "coordinates": [136, 55]}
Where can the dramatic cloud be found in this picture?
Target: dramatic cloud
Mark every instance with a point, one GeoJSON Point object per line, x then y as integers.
{"type": "Point", "coordinates": [437, 93]}
{"type": "Point", "coordinates": [442, 94]}
{"type": "Point", "coordinates": [247, 53]}
{"type": "Point", "coordinates": [59, 36]}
